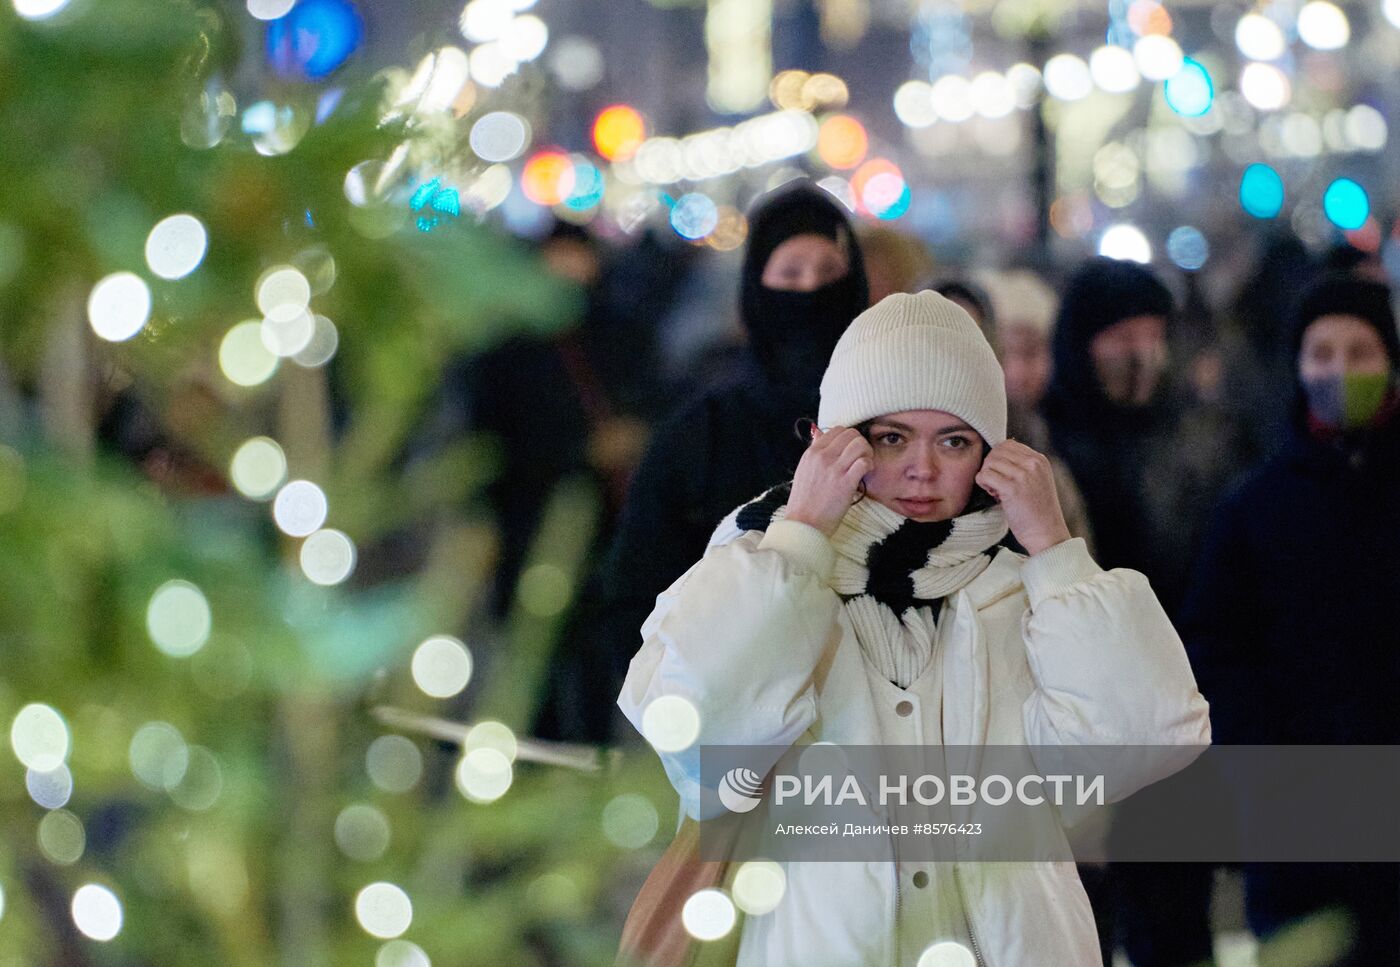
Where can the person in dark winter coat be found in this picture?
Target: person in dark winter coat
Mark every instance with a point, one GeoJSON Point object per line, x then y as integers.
{"type": "Point", "coordinates": [803, 282]}
{"type": "Point", "coordinates": [1150, 464]}
{"type": "Point", "coordinates": [1292, 618]}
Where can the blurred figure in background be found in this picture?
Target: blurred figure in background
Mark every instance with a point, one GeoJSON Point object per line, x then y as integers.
{"type": "Point", "coordinates": [1292, 616]}
{"type": "Point", "coordinates": [972, 297]}
{"type": "Point", "coordinates": [1258, 376]}
{"type": "Point", "coordinates": [894, 260]}
{"type": "Point", "coordinates": [803, 282]}
{"type": "Point", "coordinates": [1150, 464]}
{"type": "Point", "coordinates": [1022, 318]}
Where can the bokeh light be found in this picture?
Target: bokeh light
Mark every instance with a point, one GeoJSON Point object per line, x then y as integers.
{"type": "Point", "coordinates": [1127, 242]}
{"type": "Point", "coordinates": [269, 9]}
{"type": "Point", "coordinates": [525, 38]}
{"type": "Point", "coordinates": [708, 915]}
{"type": "Point", "coordinates": [484, 775]}
{"type": "Point", "coordinates": [1113, 69]}
{"type": "Point", "coordinates": [947, 953]}
{"type": "Point", "coordinates": [50, 789]}
{"type": "Point", "coordinates": [842, 141]}
{"type": "Point", "coordinates": [1157, 57]}
{"type": "Point", "coordinates": [913, 104]}
{"type": "Point", "coordinates": [327, 557]}
{"type": "Point", "coordinates": [119, 306]}
{"type": "Point", "coordinates": [759, 886]}
{"type": "Point", "coordinates": [1148, 17]}
{"type": "Point", "coordinates": [314, 38]}
{"type": "Point", "coordinates": [992, 95]}
{"type": "Point", "coordinates": [62, 838]}
{"type": "Point", "coordinates": [282, 291]}
{"type": "Point", "coordinates": [158, 756]}
{"type": "Point", "coordinates": [1391, 9]}
{"type": "Point", "coordinates": [1346, 204]}
{"type": "Point", "coordinates": [300, 508]}
{"type": "Point", "coordinates": [1187, 248]}
{"type": "Point", "coordinates": [548, 178]}
{"type": "Point", "coordinates": [618, 132]}
{"type": "Point", "coordinates": [203, 782]}
{"type": "Point", "coordinates": [1259, 38]}
{"type": "Point", "coordinates": [39, 737]}
{"type": "Point", "coordinates": [630, 821]}
{"type": "Point", "coordinates": [441, 666]}
{"type": "Point", "coordinates": [492, 735]}
{"type": "Point", "coordinates": [1261, 191]}
{"type": "Point", "coordinates": [383, 910]}
{"type": "Point", "coordinates": [401, 953]}
{"type": "Point", "coordinates": [671, 723]}
{"type": "Point", "coordinates": [952, 98]}
{"type": "Point", "coordinates": [485, 20]}
{"type": "Point", "coordinates": [362, 832]}
{"type": "Point", "coordinates": [1265, 87]}
{"type": "Point", "coordinates": [244, 358]}
{"type": "Point", "coordinates": [1323, 26]}
{"type": "Point", "coordinates": [1365, 128]}
{"type": "Point", "coordinates": [1189, 91]}
{"type": "Point", "coordinates": [499, 136]}
{"type": "Point", "coordinates": [38, 9]}
{"type": "Point", "coordinates": [694, 216]}
{"type": "Point", "coordinates": [589, 186]}
{"type": "Point", "coordinates": [178, 618]}
{"type": "Point", "coordinates": [287, 335]}
{"type": "Point", "coordinates": [393, 763]}
{"type": "Point", "coordinates": [258, 468]}
{"type": "Point", "coordinates": [176, 246]}
{"type": "Point", "coordinates": [1067, 77]}
{"type": "Point", "coordinates": [97, 912]}
{"type": "Point", "coordinates": [490, 65]}
{"type": "Point", "coordinates": [325, 339]}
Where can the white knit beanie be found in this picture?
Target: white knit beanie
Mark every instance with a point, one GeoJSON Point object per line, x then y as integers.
{"type": "Point", "coordinates": [914, 352]}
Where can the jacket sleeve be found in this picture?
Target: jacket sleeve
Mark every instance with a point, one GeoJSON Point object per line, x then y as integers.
{"type": "Point", "coordinates": [738, 637]}
{"type": "Point", "coordinates": [1109, 670]}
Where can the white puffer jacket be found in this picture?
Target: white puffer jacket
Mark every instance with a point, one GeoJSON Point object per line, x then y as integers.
{"type": "Point", "coordinates": [1041, 651]}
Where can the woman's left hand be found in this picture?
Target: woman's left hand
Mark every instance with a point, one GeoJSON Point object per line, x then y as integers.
{"type": "Point", "coordinates": [1023, 481]}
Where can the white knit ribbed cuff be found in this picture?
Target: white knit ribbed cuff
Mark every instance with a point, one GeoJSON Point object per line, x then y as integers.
{"type": "Point", "coordinates": [805, 547]}
{"type": "Point", "coordinates": [1057, 569]}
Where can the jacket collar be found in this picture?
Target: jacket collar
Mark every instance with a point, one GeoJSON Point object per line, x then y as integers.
{"type": "Point", "coordinates": [1001, 578]}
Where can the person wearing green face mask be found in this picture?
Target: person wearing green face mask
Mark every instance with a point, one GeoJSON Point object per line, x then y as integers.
{"type": "Point", "coordinates": [1347, 356]}
{"type": "Point", "coordinates": [1292, 616]}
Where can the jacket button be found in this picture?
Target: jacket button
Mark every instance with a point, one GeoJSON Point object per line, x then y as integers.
{"type": "Point", "coordinates": [904, 709]}
{"type": "Point", "coordinates": [921, 879]}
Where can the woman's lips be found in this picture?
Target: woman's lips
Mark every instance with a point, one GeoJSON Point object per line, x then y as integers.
{"type": "Point", "coordinates": [915, 506]}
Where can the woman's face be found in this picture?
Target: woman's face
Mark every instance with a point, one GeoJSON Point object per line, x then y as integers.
{"type": "Point", "coordinates": [926, 463]}
{"type": "Point", "coordinates": [805, 263]}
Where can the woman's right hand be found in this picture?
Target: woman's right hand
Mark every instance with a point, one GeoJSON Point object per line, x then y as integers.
{"type": "Point", "coordinates": [828, 477]}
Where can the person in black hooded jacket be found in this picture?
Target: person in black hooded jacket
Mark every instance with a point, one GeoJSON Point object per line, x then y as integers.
{"type": "Point", "coordinates": [803, 282]}
{"type": "Point", "coordinates": [1150, 463]}
{"type": "Point", "coordinates": [1292, 617]}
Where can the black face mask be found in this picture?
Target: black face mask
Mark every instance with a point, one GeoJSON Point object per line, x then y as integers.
{"type": "Point", "coordinates": [793, 333]}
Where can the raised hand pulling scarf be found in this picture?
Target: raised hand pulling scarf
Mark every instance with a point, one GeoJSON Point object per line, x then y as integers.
{"type": "Point", "coordinates": [891, 572]}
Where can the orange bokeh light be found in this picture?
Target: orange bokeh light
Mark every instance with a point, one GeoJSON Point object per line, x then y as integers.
{"type": "Point", "coordinates": [548, 178]}
{"type": "Point", "coordinates": [1148, 17]}
{"type": "Point", "coordinates": [842, 142]}
{"type": "Point", "coordinates": [618, 132]}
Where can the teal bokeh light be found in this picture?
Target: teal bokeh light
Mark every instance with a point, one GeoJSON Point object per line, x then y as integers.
{"type": "Point", "coordinates": [1261, 191]}
{"type": "Point", "coordinates": [1189, 91]}
{"type": "Point", "coordinates": [1346, 204]}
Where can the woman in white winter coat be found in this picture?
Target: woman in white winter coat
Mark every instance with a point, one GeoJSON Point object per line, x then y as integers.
{"type": "Point", "coordinates": [869, 603]}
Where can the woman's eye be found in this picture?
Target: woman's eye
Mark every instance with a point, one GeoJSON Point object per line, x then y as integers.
{"type": "Point", "coordinates": [890, 439]}
{"type": "Point", "coordinates": [956, 442]}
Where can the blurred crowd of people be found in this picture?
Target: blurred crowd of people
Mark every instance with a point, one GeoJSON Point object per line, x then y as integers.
{"type": "Point", "coordinates": [1244, 455]}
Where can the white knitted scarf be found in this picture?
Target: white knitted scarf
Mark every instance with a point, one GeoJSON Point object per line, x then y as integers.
{"type": "Point", "coordinates": [891, 572]}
